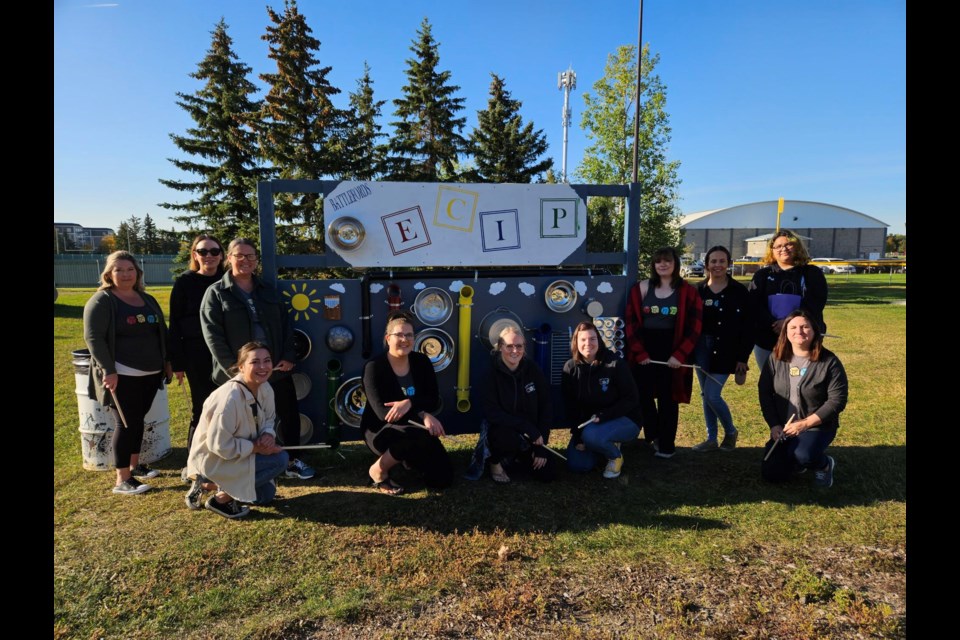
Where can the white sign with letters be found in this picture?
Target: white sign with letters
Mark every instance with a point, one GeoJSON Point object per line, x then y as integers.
{"type": "Point", "coordinates": [410, 224]}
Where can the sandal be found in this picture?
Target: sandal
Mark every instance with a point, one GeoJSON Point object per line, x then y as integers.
{"type": "Point", "coordinates": [498, 474]}
{"type": "Point", "coordinates": [388, 487]}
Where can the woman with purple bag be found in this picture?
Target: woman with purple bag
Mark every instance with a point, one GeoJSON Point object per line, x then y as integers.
{"type": "Point", "coordinates": [787, 283]}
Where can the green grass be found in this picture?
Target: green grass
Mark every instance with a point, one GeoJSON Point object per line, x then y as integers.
{"type": "Point", "coordinates": [690, 547]}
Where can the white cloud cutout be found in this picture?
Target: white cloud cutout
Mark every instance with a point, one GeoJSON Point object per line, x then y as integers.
{"type": "Point", "coordinates": [604, 287]}
{"type": "Point", "coordinates": [527, 289]}
{"type": "Point", "coordinates": [497, 287]}
{"type": "Point", "coordinates": [338, 287]}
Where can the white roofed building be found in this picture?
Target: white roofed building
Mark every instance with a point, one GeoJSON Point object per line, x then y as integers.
{"type": "Point", "coordinates": [827, 230]}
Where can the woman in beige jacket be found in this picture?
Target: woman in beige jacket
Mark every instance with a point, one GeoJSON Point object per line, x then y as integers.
{"type": "Point", "coordinates": [234, 450]}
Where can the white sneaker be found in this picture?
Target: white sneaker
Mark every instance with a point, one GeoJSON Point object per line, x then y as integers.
{"type": "Point", "coordinates": [613, 467]}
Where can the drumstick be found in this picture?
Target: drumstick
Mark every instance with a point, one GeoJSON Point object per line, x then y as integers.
{"type": "Point", "coordinates": [581, 426]}
{"type": "Point", "coordinates": [116, 401]}
{"type": "Point", "coordinates": [692, 366]}
{"type": "Point", "coordinates": [306, 446]}
{"type": "Point", "coordinates": [185, 396]}
{"type": "Point", "coordinates": [419, 426]}
{"type": "Point", "coordinates": [779, 439]}
{"type": "Point", "coordinates": [556, 453]}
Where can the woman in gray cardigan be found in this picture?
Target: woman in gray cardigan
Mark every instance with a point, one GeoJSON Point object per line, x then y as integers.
{"type": "Point", "coordinates": [803, 389]}
{"type": "Point", "coordinates": [125, 332]}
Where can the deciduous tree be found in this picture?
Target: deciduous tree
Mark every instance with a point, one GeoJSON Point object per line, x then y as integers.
{"type": "Point", "coordinates": [608, 121]}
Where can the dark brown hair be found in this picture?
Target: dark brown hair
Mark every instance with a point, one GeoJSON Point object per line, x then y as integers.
{"type": "Point", "coordinates": [783, 350]}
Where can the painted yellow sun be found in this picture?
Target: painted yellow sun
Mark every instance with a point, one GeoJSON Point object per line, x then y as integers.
{"type": "Point", "coordinates": [301, 301]}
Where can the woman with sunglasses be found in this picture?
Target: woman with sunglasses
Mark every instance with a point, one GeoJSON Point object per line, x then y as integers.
{"type": "Point", "coordinates": [517, 411]}
{"type": "Point", "coordinates": [188, 351]}
{"type": "Point", "coordinates": [242, 308]}
{"type": "Point", "coordinates": [401, 386]}
{"type": "Point", "coordinates": [786, 283]}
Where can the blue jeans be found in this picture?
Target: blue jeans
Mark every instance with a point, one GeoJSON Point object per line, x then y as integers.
{"type": "Point", "coordinates": [714, 406]}
{"type": "Point", "coordinates": [598, 437]}
{"type": "Point", "coordinates": [761, 355]}
{"type": "Point", "coordinates": [268, 467]}
{"type": "Point", "coordinates": [808, 449]}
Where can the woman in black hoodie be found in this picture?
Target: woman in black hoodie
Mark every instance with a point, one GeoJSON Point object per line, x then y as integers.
{"type": "Point", "coordinates": [597, 386]}
{"type": "Point", "coordinates": [517, 410]}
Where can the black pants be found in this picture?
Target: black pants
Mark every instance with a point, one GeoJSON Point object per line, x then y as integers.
{"type": "Point", "coordinates": [654, 382]}
{"type": "Point", "coordinates": [288, 411]}
{"type": "Point", "coordinates": [199, 369]}
{"type": "Point", "coordinates": [515, 452]}
{"type": "Point", "coordinates": [421, 451]}
{"type": "Point", "coordinates": [135, 395]}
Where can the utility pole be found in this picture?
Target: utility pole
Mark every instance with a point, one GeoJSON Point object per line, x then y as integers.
{"type": "Point", "coordinates": [567, 81]}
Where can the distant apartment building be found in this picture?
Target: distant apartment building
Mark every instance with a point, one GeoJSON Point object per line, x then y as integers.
{"type": "Point", "coordinates": [70, 237]}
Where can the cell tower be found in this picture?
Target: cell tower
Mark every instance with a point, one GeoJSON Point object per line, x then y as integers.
{"type": "Point", "coordinates": [567, 81]}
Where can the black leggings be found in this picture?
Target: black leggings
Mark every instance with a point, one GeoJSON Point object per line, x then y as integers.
{"type": "Point", "coordinates": [288, 411]}
{"type": "Point", "coordinates": [135, 395]}
{"type": "Point", "coordinates": [418, 449]}
{"type": "Point", "coordinates": [199, 369]}
{"type": "Point", "coordinates": [512, 449]}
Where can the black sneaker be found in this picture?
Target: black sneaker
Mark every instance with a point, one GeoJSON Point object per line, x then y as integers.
{"type": "Point", "coordinates": [194, 497]}
{"type": "Point", "coordinates": [824, 477]}
{"type": "Point", "coordinates": [230, 509]}
{"type": "Point", "coordinates": [143, 471]}
{"type": "Point", "coordinates": [131, 487]}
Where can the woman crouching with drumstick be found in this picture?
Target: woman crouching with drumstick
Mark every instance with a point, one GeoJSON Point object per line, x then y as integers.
{"type": "Point", "coordinates": [401, 386]}
{"type": "Point", "coordinates": [234, 450]}
{"type": "Point", "coordinates": [803, 389]}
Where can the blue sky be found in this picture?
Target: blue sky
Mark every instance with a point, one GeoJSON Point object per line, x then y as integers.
{"type": "Point", "coordinates": [767, 99]}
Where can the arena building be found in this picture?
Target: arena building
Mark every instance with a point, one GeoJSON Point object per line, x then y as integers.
{"type": "Point", "coordinates": [827, 230]}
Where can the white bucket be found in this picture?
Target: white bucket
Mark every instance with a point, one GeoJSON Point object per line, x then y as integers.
{"type": "Point", "coordinates": [98, 422]}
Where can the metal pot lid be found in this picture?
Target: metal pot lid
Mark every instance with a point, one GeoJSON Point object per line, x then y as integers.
{"type": "Point", "coordinates": [495, 322]}
{"type": "Point", "coordinates": [593, 308]}
{"type": "Point", "coordinates": [347, 233]}
{"type": "Point", "coordinates": [306, 429]}
{"type": "Point", "coordinates": [303, 384]}
{"type": "Point", "coordinates": [437, 345]}
{"type": "Point", "coordinates": [350, 401]}
{"type": "Point", "coordinates": [433, 306]}
{"type": "Point", "coordinates": [560, 296]}
{"type": "Point", "coordinates": [302, 344]}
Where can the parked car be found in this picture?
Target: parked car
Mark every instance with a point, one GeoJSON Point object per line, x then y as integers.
{"type": "Point", "coordinates": [747, 259]}
{"type": "Point", "coordinates": [691, 269]}
{"type": "Point", "coordinates": [829, 267]}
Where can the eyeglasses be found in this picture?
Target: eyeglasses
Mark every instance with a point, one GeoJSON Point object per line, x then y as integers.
{"type": "Point", "coordinates": [405, 336]}
{"type": "Point", "coordinates": [784, 246]}
{"type": "Point", "coordinates": [241, 257]}
{"type": "Point", "coordinates": [211, 252]}
{"type": "Point", "coordinates": [513, 347]}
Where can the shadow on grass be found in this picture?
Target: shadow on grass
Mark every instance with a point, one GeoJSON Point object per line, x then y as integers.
{"type": "Point", "coordinates": [646, 495]}
{"type": "Point", "coordinates": [67, 311]}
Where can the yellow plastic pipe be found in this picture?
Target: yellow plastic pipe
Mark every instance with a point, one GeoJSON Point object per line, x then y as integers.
{"type": "Point", "coordinates": [463, 366]}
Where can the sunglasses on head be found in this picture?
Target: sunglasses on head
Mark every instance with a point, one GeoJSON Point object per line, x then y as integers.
{"type": "Point", "coordinates": [205, 252]}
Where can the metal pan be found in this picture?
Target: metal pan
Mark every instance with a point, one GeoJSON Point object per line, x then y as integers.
{"type": "Point", "coordinates": [347, 233]}
{"type": "Point", "coordinates": [560, 296]}
{"type": "Point", "coordinates": [437, 345]}
{"type": "Point", "coordinates": [350, 401]}
{"type": "Point", "coordinates": [302, 344]}
{"type": "Point", "coordinates": [432, 306]}
{"type": "Point", "coordinates": [306, 429]}
{"type": "Point", "coordinates": [495, 322]}
{"type": "Point", "coordinates": [303, 384]}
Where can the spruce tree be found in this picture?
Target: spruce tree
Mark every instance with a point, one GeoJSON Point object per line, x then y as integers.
{"type": "Point", "coordinates": [221, 148]}
{"type": "Point", "coordinates": [608, 123]}
{"type": "Point", "coordinates": [362, 154]}
{"type": "Point", "coordinates": [504, 149]}
{"type": "Point", "coordinates": [299, 126]}
{"type": "Point", "coordinates": [150, 238]}
{"type": "Point", "coordinates": [426, 139]}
